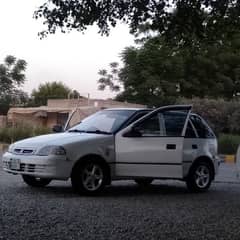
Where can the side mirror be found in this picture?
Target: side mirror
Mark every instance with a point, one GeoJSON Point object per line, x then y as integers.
{"type": "Point", "coordinates": [133, 132]}
{"type": "Point", "coordinates": [57, 128]}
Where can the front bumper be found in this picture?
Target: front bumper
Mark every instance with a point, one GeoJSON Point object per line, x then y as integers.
{"type": "Point", "coordinates": [53, 167]}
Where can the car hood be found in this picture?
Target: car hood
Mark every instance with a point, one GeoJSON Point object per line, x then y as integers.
{"type": "Point", "coordinates": [59, 139]}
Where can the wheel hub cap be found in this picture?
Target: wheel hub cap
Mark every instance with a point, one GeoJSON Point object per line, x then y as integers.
{"type": "Point", "coordinates": [202, 176]}
{"type": "Point", "coordinates": [92, 177]}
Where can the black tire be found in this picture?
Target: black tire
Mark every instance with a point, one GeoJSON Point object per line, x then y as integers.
{"type": "Point", "coordinates": [36, 182]}
{"type": "Point", "coordinates": [197, 182]}
{"type": "Point", "coordinates": [143, 182]}
{"type": "Point", "coordinates": [87, 181]}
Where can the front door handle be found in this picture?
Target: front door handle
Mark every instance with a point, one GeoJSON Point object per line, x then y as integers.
{"type": "Point", "coordinates": [171, 146]}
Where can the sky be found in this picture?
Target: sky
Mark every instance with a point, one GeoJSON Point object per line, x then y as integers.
{"type": "Point", "coordinates": [74, 58]}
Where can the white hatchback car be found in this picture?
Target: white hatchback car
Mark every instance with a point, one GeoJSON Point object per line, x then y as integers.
{"type": "Point", "coordinates": [140, 144]}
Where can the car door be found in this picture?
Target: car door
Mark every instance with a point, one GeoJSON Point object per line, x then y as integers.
{"type": "Point", "coordinates": [153, 145]}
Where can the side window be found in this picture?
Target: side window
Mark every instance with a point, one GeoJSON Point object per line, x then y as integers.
{"type": "Point", "coordinates": [202, 129]}
{"type": "Point", "coordinates": [174, 122]}
{"type": "Point", "coordinates": [138, 116]}
{"type": "Point", "coordinates": [167, 123]}
{"type": "Point", "coordinates": [150, 127]}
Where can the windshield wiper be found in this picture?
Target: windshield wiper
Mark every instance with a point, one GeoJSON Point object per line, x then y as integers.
{"type": "Point", "coordinates": [99, 132]}
{"type": "Point", "coordinates": [94, 131]}
{"type": "Point", "coordinates": [76, 131]}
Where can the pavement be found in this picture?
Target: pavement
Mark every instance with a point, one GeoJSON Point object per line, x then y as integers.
{"type": "Point", "coordinates": [228, 173]}
{"type": "Point", "coordinates": [165, 210]}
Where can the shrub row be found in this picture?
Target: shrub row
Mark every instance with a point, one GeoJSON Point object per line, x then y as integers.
{"type": "Point", "coordinates": [9, 135]}
{"type": "Point", "coordinates": [228, 144]}
{"type": "Point", "coordinates": [223, 116]}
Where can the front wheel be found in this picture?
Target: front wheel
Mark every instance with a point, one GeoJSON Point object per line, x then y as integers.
{"type": "Point", "coordinates": [35, 182]}
{"type": "Point", "coordinates": [89, 178]}
{"type": "Point", "coordinates": [200, 177]}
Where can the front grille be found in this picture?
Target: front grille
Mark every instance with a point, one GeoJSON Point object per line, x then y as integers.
{"type": "Point", "coordinates": [23, 151]}
{"type": "Point", "coordinates": [31, 168]}
{"type": "Point", "coordinates": [27, 151]}
{"type": "Point", "coordinates": [27, 168]}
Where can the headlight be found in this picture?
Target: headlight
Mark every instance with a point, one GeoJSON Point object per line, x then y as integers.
{"type": "Point", "coordinates": [51, 150]}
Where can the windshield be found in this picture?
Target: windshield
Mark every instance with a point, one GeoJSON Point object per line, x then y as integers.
{"type": "Point", "coordinates": [106, 121]}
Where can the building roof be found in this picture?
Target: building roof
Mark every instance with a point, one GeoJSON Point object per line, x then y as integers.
{"type": "Point", "coordinates": [33, 110]}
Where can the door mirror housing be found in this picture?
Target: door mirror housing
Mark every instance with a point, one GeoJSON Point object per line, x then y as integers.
{"type": "Point", "coordinates": [57, 128]}
{"type": "Point", "coordinates": [134, 131]}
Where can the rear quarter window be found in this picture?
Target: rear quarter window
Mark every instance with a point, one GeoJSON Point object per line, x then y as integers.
{"type": "Point", "coordinates": [203, 130]}
{"type": "Point", "coordinates": [190, 132]}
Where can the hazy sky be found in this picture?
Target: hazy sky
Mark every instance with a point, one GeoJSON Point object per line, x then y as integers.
{"type": "Point", "coordinates": [73, 58]}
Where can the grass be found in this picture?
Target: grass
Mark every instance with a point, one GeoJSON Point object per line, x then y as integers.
{"type": "Point", "coordinates": [228, 143]}
{"type": "Point", "coordinates": [13, 134]}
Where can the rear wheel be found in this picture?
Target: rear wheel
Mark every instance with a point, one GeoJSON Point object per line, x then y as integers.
{"type": "Point", "coordinates": [143, 181]}
{"type": "Point", "coordinates": [35, 182]}
{"type": "Point", "coordinates": [200, 177]}
{"type": "Point", "coordinates": [89, 178]}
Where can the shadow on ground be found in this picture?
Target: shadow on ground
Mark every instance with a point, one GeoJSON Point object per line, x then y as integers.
{"type": "Point", "coordinates": [116, 190]}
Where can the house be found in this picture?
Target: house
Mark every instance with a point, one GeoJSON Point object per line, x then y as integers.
{"type": "Point", "coordinates": [57, 111]}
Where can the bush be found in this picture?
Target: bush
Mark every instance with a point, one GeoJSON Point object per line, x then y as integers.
{"type": "Point", "coordinates": [9, 135]}
{"type": "Point", "coordinates": [41, 130]}
{"type": "Point", "coordinates": [4, 135]}
{"type": "Point", "coordinates": [228, 144]}
{"type": "Point", "coordinates": [223, 116]}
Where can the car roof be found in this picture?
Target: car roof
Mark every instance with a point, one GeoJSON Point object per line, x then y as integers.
{"type": "Point", "coordinates": [138, 110]}
{"type": "Point", "coordinates": [132, 109]}
{"type": "Point", "coordinates": [171, 107]}
{"type": "Point", "coordinates": [128, 109]}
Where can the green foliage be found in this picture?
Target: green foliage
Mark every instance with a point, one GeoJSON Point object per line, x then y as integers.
{"type": "Point", "coordinates": [182, 21]}
{"type": "Point", "coordinates": [149, 76]}
{"type": "Point", "coordinates": [155, 73]}
{"type": "Point", "coordinates": [9, 135]}
{"type": "Point", "coordinates": [212, 70]}
{"type": "Point", "coordinates": [223, 116]}
{"type": "Point", "coordinates": [109, 79]}
{"type": "Point", "coordinates": [50, 90]}
{"type": "Point", "coordinates": [4, 107]}
{"type": "Point", "coordinates": [151, 73]}
{"type": "Point", "coordinates": [228, 144]}
{"type": "Point", "coordinates": [12, 76]}
{"type": "Point", "coordinates": [75, 94]}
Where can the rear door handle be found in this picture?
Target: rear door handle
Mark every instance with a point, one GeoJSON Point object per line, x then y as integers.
{"type": "Point", "coordinates": [171, 146]}
{"type": "Point", "coordinates": [194, 146]}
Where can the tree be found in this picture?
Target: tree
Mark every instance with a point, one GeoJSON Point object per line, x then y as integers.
{"type": "Point", "coordinates": [182, 21]}
{"type": "Point", "coordinates": [157, 73]}
{"type": "Point", "coordinates": [110, 79]}
{"type": "Point", "coordinates": [49, 90]}
{"type": "Point", "coordinates": [213, 70]}
{"type": "Point", "coordinates": [74, 94]}
{"type": "Point", "coordinates": [12, 76]}
{"type": "Point", "coordinates": [150, 75]}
